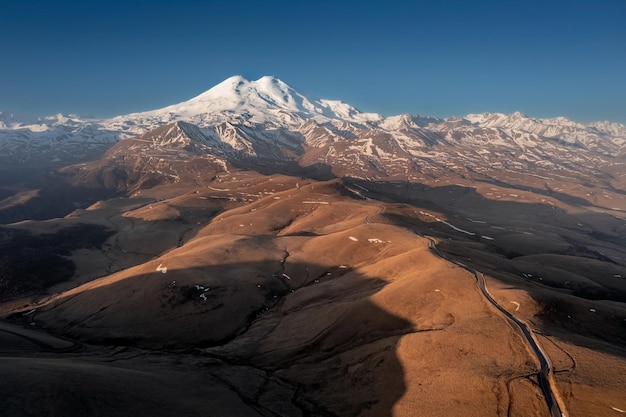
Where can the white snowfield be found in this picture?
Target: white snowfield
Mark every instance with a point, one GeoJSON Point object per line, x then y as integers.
{"type": "Point", "coordinates": [266, 101]}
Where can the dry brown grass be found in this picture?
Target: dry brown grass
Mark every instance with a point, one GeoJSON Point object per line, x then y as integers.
{"type": "Point", "coordinates": [307, 297]}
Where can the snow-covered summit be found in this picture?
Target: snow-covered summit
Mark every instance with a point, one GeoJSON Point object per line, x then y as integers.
{"type": "Point", "coordinates": [407, 121]}
{"type": "Point", "coordinates": [239, 95]}
{"type": "Point", "coordinates": [267, 101]}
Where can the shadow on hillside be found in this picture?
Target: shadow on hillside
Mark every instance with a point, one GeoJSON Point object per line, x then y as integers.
{"type": "Point", "coordinates": [37, 194]}
{"type": "Point", "coordinates": [547, 191]}
{"type": "Point", "coordinates": [318, 171]}
{"type": "Point", "coordinates": [31, 263]}
{"type": "Point", "coordinates": [567, 267]}
{"type": "Point", "coordinates": [335, 349]}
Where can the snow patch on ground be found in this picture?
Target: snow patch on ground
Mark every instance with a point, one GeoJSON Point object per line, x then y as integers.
{"type": "Point", "coordinates": [374, 240]}
{"type": "Point", "coordinates": [447, 223]}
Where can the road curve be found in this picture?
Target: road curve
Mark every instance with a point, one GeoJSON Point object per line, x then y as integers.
{"type": "Point", "coordinates": [545, 378]}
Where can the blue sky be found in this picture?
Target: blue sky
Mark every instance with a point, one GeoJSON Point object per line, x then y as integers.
{"type": "Point", "coordinates": [437, 58]}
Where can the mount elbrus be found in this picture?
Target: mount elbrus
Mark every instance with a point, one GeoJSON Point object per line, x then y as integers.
{"type": "Point", "coordinates": [256, 252]}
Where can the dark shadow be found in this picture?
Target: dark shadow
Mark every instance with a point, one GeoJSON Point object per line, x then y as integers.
{"type": "Point", "coordinates": [240, 324]}
{"type": "Point", "coordinates": [38, 194]}
{"type": "Point", "coordinates": [267, 166]}
{"type": "Point", "coordinates": [547, 191]}
{"type": "Point", "coordinates": [30, 263]}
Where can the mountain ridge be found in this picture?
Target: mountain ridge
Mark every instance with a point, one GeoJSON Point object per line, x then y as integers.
{"type": "Point", "coordinates": [267, 108]}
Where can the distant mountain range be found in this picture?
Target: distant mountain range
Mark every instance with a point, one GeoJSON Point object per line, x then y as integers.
{"type": "Point", "coordinates": [267, 122]}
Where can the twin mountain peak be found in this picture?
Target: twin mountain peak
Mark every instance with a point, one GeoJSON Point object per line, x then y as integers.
{"type": "Point", "coordinates": [270, 121]}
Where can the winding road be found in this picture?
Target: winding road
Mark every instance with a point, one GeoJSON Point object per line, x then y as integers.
{"type": "Point", "coordinates": [546, 383]}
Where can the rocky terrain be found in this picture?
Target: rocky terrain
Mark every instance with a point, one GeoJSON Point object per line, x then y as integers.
{"type": "Point", "coordinates": [256, 252]}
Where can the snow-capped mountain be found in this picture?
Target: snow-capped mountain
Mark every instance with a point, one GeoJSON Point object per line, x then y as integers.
{"type": "Point", "coordinates": [267, 122]}
{"type": "Point", "coordinates": [593, 135]}
{"type": "Point", "coordinates": [267, 101]}
{"type": "Point", "coordinates": [52, 140]}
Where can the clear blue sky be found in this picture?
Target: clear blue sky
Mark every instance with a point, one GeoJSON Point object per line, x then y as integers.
{"type": "Point", "coordinates": [439, 58]}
